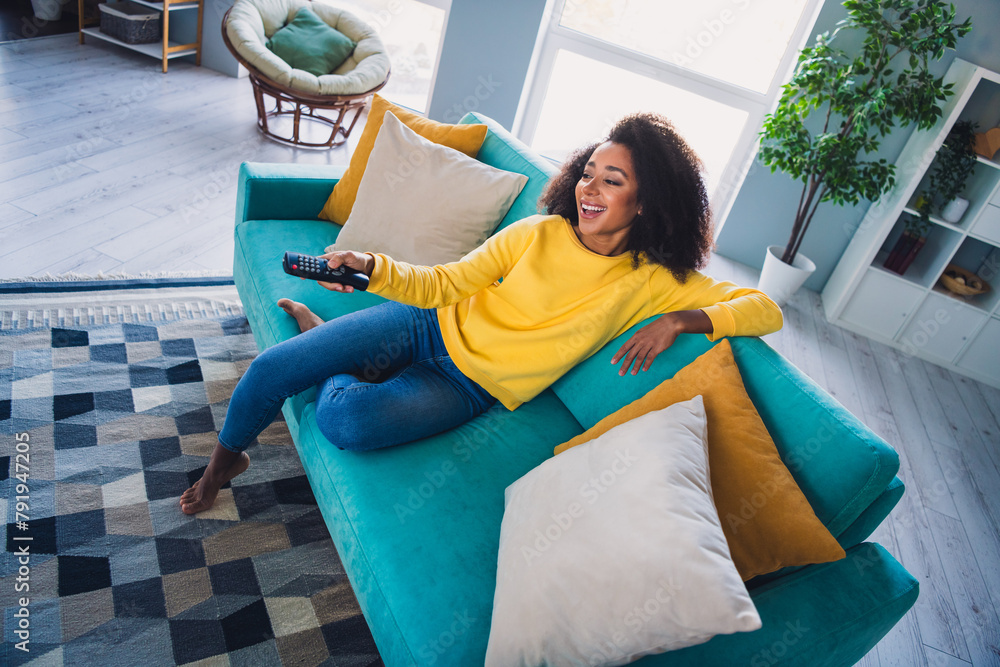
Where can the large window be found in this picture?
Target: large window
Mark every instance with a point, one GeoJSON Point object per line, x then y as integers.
{"type": "Point", "coordinates": [714, 67]}
{"type": "Point", "coordinates": [412, 31]}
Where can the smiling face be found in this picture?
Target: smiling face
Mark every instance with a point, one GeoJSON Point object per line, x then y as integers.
{"type": "Point", "coordinates": [607, 200]}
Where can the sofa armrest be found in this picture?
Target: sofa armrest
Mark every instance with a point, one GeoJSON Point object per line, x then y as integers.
{"type": "Point", "coordinates": [873, 515]}
{"type": "Point", "coordinates": [840, 464]}
{"type": "Point", "coordinates": [284, 191]}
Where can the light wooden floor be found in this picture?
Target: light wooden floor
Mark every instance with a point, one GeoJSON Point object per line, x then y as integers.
{"type": "Point", "coordinates": [108, 165]}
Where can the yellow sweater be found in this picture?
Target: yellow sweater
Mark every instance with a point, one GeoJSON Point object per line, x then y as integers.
{"type": "Point", "coordinates": [558, 303]}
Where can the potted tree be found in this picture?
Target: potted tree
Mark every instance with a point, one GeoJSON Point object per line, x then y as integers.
{"type": "Point", "coordinates": [838, 105]}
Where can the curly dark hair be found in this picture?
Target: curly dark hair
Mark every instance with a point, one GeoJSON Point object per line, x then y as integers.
{"type": "Point", "coordinates": [675, 227]}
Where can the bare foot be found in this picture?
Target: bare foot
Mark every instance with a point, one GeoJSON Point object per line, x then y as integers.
{"type": "Point", "coordinates": [306, 318]}
{"type": "Point", "coordinates": [224, 466]}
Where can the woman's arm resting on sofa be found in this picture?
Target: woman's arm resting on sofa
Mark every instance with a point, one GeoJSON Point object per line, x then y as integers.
{"type": "Point", "coordinates": [699, 305]}
{"type": "Point", "coordinates": [734, 310]}
{"type": "Point", "coordinates": [654, 338]}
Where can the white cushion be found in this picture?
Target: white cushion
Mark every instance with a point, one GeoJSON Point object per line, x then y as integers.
{"type": "Point", "coordinates": [252, 22]}
{"type": "Point", "coordinates": [423, 203]}
{"type": "Point", "coordinates": [613, 550]}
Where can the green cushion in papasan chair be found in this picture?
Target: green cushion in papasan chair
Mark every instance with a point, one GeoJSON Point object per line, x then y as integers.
{"type": "Point", "coordinates": [309, 44]}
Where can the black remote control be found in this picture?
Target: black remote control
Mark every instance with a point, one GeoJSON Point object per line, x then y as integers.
{"type": "Point", "coordinates": [316, 268]}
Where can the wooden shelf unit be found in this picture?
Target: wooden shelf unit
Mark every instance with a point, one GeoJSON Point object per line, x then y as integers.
{"type": "Point", "coordinates": [165, 49]}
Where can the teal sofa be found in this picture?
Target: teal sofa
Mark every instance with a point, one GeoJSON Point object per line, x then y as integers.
{"type": "Point", "coordinates": [417, 526]}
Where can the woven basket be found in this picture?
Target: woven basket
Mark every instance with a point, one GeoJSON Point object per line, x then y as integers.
{"type": "Point", "coordinates": [973, 284]}
{"type": "Point", "coordinates": [130, 22]}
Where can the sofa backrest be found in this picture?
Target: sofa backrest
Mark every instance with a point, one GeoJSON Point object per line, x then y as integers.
{"type": "Point", "coordinates": [504, 151]}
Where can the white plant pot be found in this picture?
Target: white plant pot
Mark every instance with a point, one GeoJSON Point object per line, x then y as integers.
{"type": "Point", "coordinates": [779, 280]}
{"type": "Point", "coordinates": [47, 10]}
{"type": "Point", "coordinates": [954, 210]}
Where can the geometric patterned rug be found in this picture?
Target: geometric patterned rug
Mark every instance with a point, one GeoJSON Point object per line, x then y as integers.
{"type": "Point", "coordinates": [107, 415]}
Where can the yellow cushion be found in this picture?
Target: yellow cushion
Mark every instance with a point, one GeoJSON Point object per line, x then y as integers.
{"type": "Point", "coordinates": [766, 519]}
{"type": "Point", "coordinates": [465, 138]}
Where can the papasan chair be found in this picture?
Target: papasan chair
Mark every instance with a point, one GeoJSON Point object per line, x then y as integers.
{"type": "Point", "coordinates": [247, 26]}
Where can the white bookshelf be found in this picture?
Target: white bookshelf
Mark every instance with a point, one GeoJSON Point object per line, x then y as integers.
{"type": "Point", "coordinates": [914, 312]}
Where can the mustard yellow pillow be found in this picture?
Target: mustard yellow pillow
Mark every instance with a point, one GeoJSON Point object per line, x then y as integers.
{"type": "Point", "coordinates": [465, 138]}
{"type": "Point", "coordinates": [766, 519]}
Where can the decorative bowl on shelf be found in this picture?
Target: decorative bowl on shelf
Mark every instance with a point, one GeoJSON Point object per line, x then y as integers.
{"type": "Point", "coordinates": [964, 283]}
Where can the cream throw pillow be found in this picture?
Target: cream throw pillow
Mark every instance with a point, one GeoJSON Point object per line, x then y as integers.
{"type": "Point", "coordinates": [613, 550]}
{"type": "Point", "coordinates": [423, 203]}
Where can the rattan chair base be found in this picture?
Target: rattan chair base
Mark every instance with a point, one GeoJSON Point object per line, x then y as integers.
{"type": "Point", "coordinates": [302, 112]}
{"type": "Point", "coordinates": [301, 106]}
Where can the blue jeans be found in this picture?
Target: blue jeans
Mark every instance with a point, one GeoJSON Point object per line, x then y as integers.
{"type": "Point", "coordinates": [384, 378]}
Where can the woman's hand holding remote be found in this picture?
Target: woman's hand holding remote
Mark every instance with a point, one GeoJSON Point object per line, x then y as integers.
{"type": "Point", "coordinates": [358, 261]}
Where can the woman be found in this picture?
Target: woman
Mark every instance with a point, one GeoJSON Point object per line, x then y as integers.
{"type": "Point", "coordinates": [628, 226]}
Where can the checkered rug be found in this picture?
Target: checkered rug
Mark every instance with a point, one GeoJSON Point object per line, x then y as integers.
{"type": "Point", "coordinates": [109, 408]}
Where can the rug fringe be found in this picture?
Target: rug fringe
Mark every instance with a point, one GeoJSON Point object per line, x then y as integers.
{"type": "Point", "coordinates": [151, 301]}
{"type": "Point", "coordinates": [100, 275]}
{"type": "Point", "coordinates": [44, 318]}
